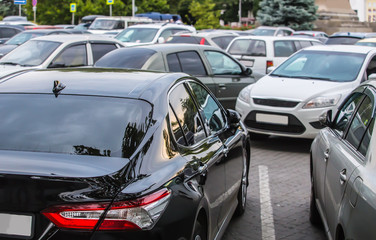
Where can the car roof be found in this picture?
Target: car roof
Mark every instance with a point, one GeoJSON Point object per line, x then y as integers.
{"type": "Point", "coordinates": [70, 38]}
{"type": "Point", "coordinates": [272, 38]}
{"type": "Point", "coordinates": [12, 26]}
{"type": "Point", "coordinates": [208, 34]}
{"type": "Point", "coordinates": [135, 84]}
{"type": "Point", "coordinates": [160, 25]}
{"type": "Point", "coordinates": [178, 47]}
{"type": "Point", "coordinates": [368, 40]}
{"type": "Point", "coordinates": [342, 48]}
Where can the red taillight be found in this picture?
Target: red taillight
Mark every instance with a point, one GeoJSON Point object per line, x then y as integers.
{"type": "Point", "coordinates": [135, 214]}
{"type": "Point", "coordinates": [269, 64]}
{"type": "Point", "coordinates": [202, 41]}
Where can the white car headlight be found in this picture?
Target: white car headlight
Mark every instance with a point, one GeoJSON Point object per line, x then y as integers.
{"type": "Point", "coordinates": [245, 94]}
{"type": "Point", "coordinates": [320, 102]}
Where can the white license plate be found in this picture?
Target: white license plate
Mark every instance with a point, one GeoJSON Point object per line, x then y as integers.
{"type": "Point", "coordinates": [247, 63]}
{"type": "Point", "coordinates": [271, 118]}
{"type": "Point", "coordinates": [18, 225]}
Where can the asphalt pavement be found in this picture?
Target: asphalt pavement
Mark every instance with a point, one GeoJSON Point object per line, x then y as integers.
{"type": "Point", "coordinates": [278, 194]}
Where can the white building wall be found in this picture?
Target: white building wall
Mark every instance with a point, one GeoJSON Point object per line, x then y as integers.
{"type": "Point", "coordinates": [360, 7]}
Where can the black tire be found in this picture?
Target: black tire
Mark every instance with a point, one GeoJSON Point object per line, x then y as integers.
{"type": "Point", "coordinates": [242, 192]}
{"type": "Point", "coordinates": [199, 232]}
{"type": "Point", "coordinates": [314, 215]}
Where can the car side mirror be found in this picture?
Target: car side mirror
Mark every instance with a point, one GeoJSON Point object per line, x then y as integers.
{"type": "Point", "coordinates": [269, 70]}
{"type": "Point", "coordinates": [372, 76]}
{"type": "Point", "coordinates": [248, 71]}
{"type": "Point", "coordinates": [161, 40]}
{"type": "Point", "coordinates": [233, 118]}
{"type": "Point", "coordinates": [325, 119]}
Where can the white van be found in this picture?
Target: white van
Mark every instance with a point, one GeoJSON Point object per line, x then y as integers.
{"type": "Point", "coordinates": [105, 25]}
{"type": "Point", "coordinates": [261, 52]}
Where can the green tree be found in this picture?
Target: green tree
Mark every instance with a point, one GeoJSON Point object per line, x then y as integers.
{"type": "Point", "coordinates": [204, 14]}
{"type": "Point", "coordinates": [7, 8]}
{"type": "Point", "coordinates": [297, 14]}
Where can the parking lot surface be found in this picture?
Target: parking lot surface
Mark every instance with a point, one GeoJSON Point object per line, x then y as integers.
{"type": "Point", "coordinates": [278, 194]}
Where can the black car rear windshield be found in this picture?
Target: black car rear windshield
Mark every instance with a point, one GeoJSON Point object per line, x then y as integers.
{"type": "Point", "coordinates": [81, 125]}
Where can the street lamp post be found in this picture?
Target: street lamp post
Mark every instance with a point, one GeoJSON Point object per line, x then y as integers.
{"type": "Point", "coordinates": [240, 13]}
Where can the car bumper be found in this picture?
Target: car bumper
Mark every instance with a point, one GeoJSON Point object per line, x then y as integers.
{"type": "Point", "coordinates": [281, 121]}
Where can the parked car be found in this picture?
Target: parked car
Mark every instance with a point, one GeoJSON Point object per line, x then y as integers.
{"type": "Point", "coordinates": [271, 31]}
{"type": "Point", "coordinates": [86, 22]}
{"type": "Point", "coordinates": [142, 34]}
{"type": "Point", "coordinates": [224, 76]}
{"type": "Point", "coordinates": [262, 52]}
{"type": "Point", "coordinates": [116, 154]}
{"type": "Point", "coordinates": [57, 51]}
{"type": "Point", "coordinates": [217, 39]}
{"type": "Point", "coordinates": [342, 169]}
{"type": "Point", "coordinates": [290, 100]}
{"type": "Point", "coordinates": [8, 31]}
{"type": "Point", "coordinates": [345, 38]}
{"type": "Point", "coordinates": [102, 25]}
{"type": "Point", "coordinates": [321, 36]}
{"type": "Point", "coordinates": [370, 42]}
{"type": "Point", "coordinates": [24, 36]}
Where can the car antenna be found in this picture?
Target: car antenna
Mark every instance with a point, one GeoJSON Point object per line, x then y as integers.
{"type": "Point", "coordinates": [58, 87]}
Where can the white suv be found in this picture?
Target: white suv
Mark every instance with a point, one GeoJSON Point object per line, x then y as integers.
{"type": "Point", "coordinates": [261, 52]}
{"type": "Point", "coordinates": [143, 34]}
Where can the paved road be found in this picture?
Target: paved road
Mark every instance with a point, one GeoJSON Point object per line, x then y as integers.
{"type": "Point", "coordinates": [279, 166]}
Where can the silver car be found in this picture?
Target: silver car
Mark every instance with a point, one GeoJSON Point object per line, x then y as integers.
{"type": "Point", "coordinates": [343, 167]}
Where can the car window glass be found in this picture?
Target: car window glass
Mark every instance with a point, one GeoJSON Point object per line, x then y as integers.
{"type": "Point", "coordinates": [248, 47]}
{"type": "Point", "coordinates": [371, 67]}
{"type": "Point", "coordinates": [7, 32]}
{"type": "Point", "coordinates": [73, 56]}
{"type": "Point", "coordinates": [186, 115]}
{"type": "Point", "coordinates": [223, 41]}
{"type": "Point", "coordinates": [212, 112]}
{"type": "Point", "coordinates": [360, 122]}
{"type": "Point", "coordinates": [176, 129]}
{"type": "Point", "coordinates": [344, 114]}
{"type": "Point", "coordinates": [366, 138]}
{"type": "Point", "coordinates": [100, 49]}
{"type": "Point", "coordinates": [188, 62]}
{"type": "Point", "coordinates": [173, 63]}
{"type": "Point", "coordinates": [315, 43]}
{"type": "Point", "coordinates": [283, 48]}
{"type": "Point", "coordinates": [305, 44]}
{"type": "Point", "coordinates": [166, 33]}
{"type": "Point", "coordinates": [129, 58]}
{"type": "Point", "coordinates": [222, 64]}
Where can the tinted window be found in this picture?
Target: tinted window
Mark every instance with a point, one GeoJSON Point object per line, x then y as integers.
{"type": "Point", "coordinates": [73, 124]}
{"type": "Point", "coordinates": [73, 56]}
{"type": "Point", "coordinates": [100, 49]}
{"type": "Point", "coordinates": [366, 138]}
{"type": "Point", "coordinates": [344, 114]}
{"type": "Point", "coordinates": [283, 48]}
{"type": "Point", "coordinates": [360, 122]}
{"type": "Point", "coordinates": [342, 40]}
{"type": "Point", "coordinates": [186, 116]}
{"type": "Point", "coordinates": [8, 32]}
{"type": "Point", "coordinates": [222, 64]}
{"type": "Point", "coordinates": [173, 63]}
{"type": "Point", "coordinates": [133, 58]}
{"type": "Point", "coordinates": [305, 44]}
{"type": "Point", "coordinates": [248, 47]}
{"type": "Point", "coordinates": [212, 112]}
{"type": "Point", "coordinates": [223, 41]}
{"type": "Point", "coordinates": [188, 62]}
{"type": "Point", "coordinates": [183, 39]}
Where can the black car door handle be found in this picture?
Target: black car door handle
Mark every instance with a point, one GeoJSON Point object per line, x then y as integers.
{"type": "Point", "coordinates": [342, 176]}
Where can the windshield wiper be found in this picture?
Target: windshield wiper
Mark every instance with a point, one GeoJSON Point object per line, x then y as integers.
{"type": "Point", "coordinates": [10, 63]}
{"type": "Point", "coordinates": [280, 75]}
{"type": "Point", "coordinates": [315, 78]}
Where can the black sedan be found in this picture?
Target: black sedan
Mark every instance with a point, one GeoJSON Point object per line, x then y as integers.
{"type": "Point", "coordinates": [117, 154]}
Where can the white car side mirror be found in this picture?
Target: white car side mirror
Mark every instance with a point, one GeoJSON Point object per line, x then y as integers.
{"type": "Point", "coordinates": [372, 76]}
{"type": "Point", "coordinates": [161, 40]}
{"type": "Point", "coordinates": [269, 70]}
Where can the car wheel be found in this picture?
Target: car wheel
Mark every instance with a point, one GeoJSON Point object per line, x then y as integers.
{"type": "Point", "coordinates": [242, 193]}
{"type": "Point", "coordinates": [314, 215]}
{"type": "Point", "coordinates": [199, 232]}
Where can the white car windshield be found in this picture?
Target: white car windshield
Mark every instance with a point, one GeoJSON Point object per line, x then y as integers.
{"type": "Point", "coordinates": [32, 53]}
{"type": "Point", "coordinates": [322, 65]}
{"type": "Point", "coordinates": [137, 35]}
